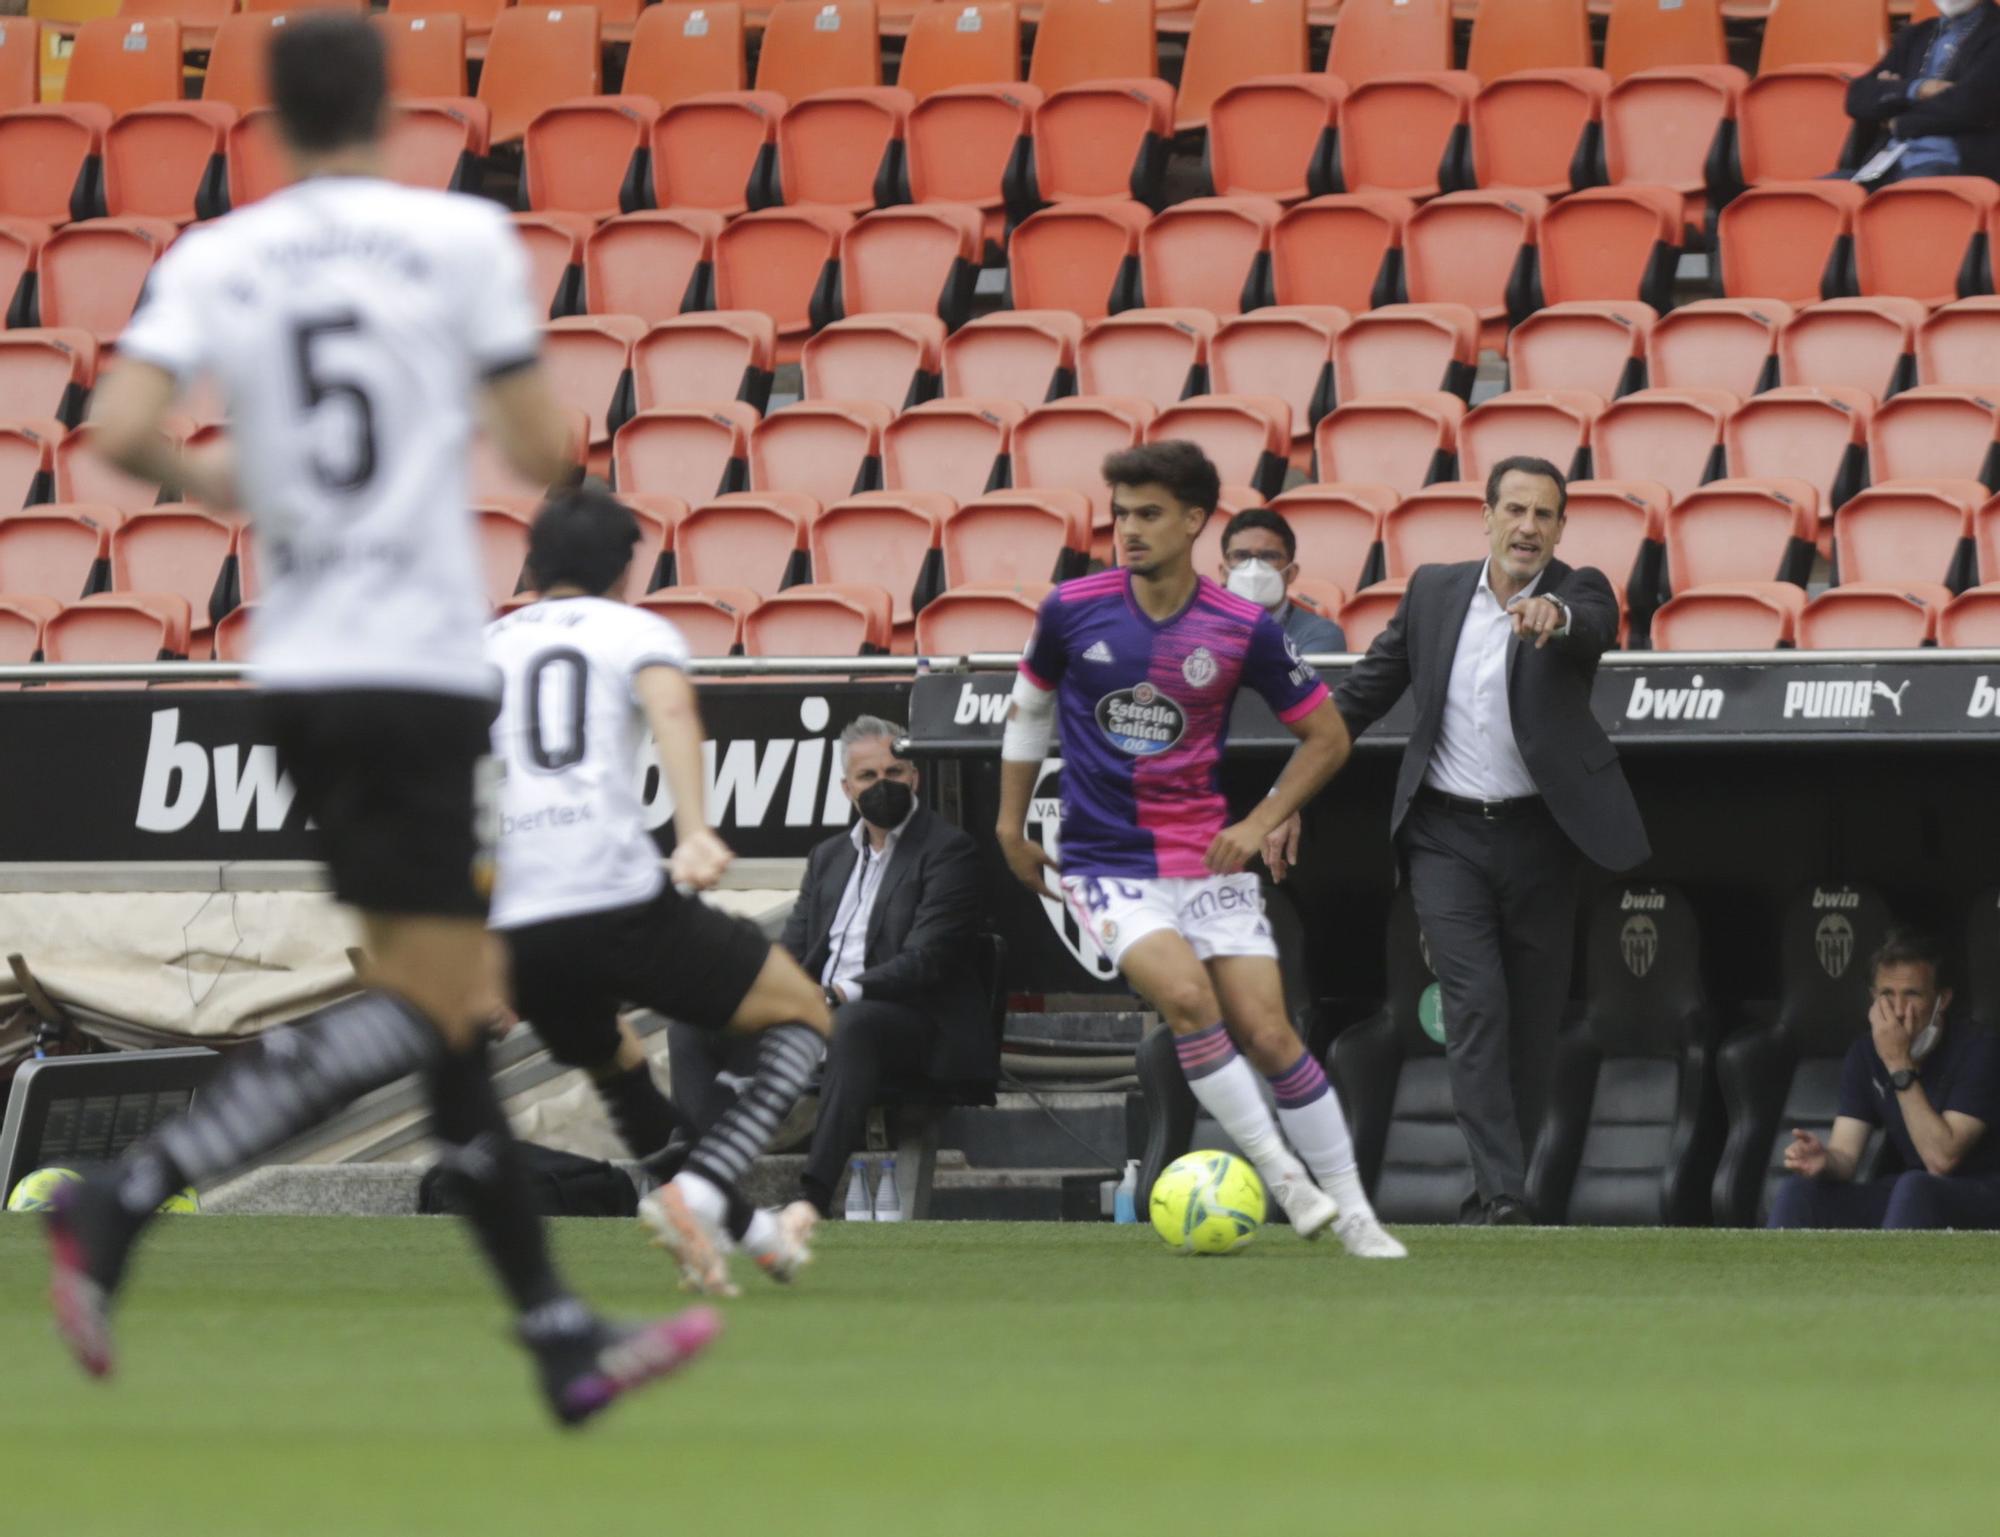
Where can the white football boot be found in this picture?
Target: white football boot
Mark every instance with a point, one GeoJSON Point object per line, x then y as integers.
{"type": "Point", "coordinates": [694, 1240]}
{"type": "Point", "coordinates": [1365, 1238]}
{"type": "Point", "coordinates": [781, 1241]}
{"type": "Point", "coordinates": [1309, 1209]}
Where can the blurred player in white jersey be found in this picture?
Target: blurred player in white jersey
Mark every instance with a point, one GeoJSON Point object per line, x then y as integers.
{"type": "Point", "coordinates": [354, 327]}
{"type": "Point", "coordinates": [590, 919]}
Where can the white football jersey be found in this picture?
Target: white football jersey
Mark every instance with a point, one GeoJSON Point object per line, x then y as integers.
{"type": "Point", "coordinates": [573, 833]}
{"type": "Point", "coordinates": [349, 324]}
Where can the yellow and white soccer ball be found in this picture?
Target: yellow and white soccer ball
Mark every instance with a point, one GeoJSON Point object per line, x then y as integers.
{"type": "Point", "coordinates": [181, 1201]}
{"type": "Point", "coordinates": [37, 1190]}
{"type": "Point", "coordinates": [1208, 1203]}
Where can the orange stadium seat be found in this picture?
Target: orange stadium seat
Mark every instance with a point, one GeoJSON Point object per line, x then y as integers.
{"type": "Point", "coordinates": [1378, 38]}
{"type": "Point", "coordinates": [1021, 355]}
{"type": "Point", "coordinates": [1671, 437]}
{"type": "Point", "coordinates": [57, 552]}
{"type": "Point", "coordinates": [1920, 238]}
{"type": "Point", "coordinates": [885, 538]}
{"type": "Point", "coordinates": [1478, 249]}
{"type": "Point", "coordinates": [257, 163]}
{"type": "Point", "coordinates": [1725, 344]}
{"type": "Point", "coordinates": [711, 355]}
{"type": "Point", "coordinates": [652, 556]}
{"type": "Point", "coordinates": [1742, 531]}
{"type": "Point", "coordinates": [1209, 253]}
{"type": "Point", "coordinates": [1368, 612]}
{"type": "Point", "coordinates": [1823, 32]}
{"type": "Point", "coordinates": [1538, 130]}
{"type": "Point", "coordinates": [961, 43]}
{"type": "Point", "coordinates": [1791, 240]}
{"type": "Point", "coordinates": [1407, 134]}
{"type": "Point", "coordinates": [1233, 41]}
{"type": "Point", "coordinates": [1247, 437]}
{"type": "Point", "coordinates": [92, 273]}
{"type": "Point", "coordinates": [80, 476]}
{"type": "Point", "coordinates": [20, 62]}
{"type": "Point", "coordinates": [776, 260]}
{"type": "Point", "coordinates": [493, 481]}
{"type": "Point", "coordinates": [1960, 343]}
{"type": "Point", "coordinates": [589, 363]}
{"type": "Point", "coordinates": [812, 46]}
{"type": "Point", "coordinates": [584, 155]}
{"type": "Point", "coordinates": [1550, 424]}
{"type": "Point", "coordinates": [1513, 37]}
{"type": "Point", "coordinates": [681, 50]}
{"type": "Point", "coordinates": [1665, 127]}
{"type": "Point", "coordinates": [959, 447]}
{"type": "Point", "coordinates": [1818, 436]}
{"type": "Point", "coordinates": [178, 550]}
{"type": "Point", "coordinates": [438, 144]}
{"type": "Point", "coordinates": [889, 359]}
{"type": "Point", "coordinates": [1079, 40]}
{"type": "Point", "coordinates": [1102, 139]}
{"type": "Point", "coordinates": [1865, 344]}
{"type": "Point", "coordinates": [1275, 137]}
{"type": "Point", "coordinates": [980, 618]}
{"type": "Point", "coordinates": [46, 373]}
{"type": "Point", "coordinates": [972, 145]}
{"type": "Point", "coordinates": [124, 64]}
{"type": "Point", "coordinates": [1080, 257]}
{"type": "Point", "coordinates": [1936, 429]}
{"type": "Point", "coordinates": [1017, 536]}
{"type": "Point", "coordinates": [22, 621]}
{"type": "Point", "coordinates": [21, 242]}
{"type": "Point", "coordinates": [1399, 348]}
{"type": "Point", "coordinates": [844, 149]}
{"type": "Point", "coordinates": [654, 265]}
{"type": "Point", "coordinates": [427, 50]}
{"type": "Point", "coordinates": [1159, 355]}
{"type": "Point", "coordinates": [693, 452]}
{"type": "Point", "coordinates": [119, 627]}
{"type": "Point", "coordinates": [1593, 344]}
{"type": "Point", "coordinates": [1908, 531]}
{"type": "Point", "coordinates": [1612, 243]}
{"type": "Point", "coordinates": [1281, 350]}
{"type": "Point", "coordinates": [236, 72]}
{"type": "Point", "coordinates": [1405, 442]}
{"type": "Point", "coordinates": [1439, 524]}
{"type": "Point", "coordinates": [1731, 616]}
{"type": "Point", "coordinates": [167, 161]}
{"type": "Point", "coordinates": [827, 449]}
{"type": "Point", "coordinates": [554, 243]}
{"type": "Point", "coordinates": [477, 16]}
{"type": "Point", "coordinates": [899, 260]}
{"type": "Point", "coordinates": [538, 58]}
{"type": "Point", "coordinates": [1061, 444]}
{"type": "Point", "coordinates": [1792, 124]}
{"type": "Point", "coordinates": [1647, 34]}
{"type": "Point", "coordinates": [49, 161]}
{"type": "Point", "coordinates": [1337, 528]}
{"type": "Point", "coordinates": [710, 619]}
{"type": "Point", "coordinates": [501, 534]}
{"type": "Point", "coordinates": [840, 619]}
{"type": "Point", "coordinates": [1617, 526]}
{"type": "Point", "coordinates": [755, 540]}
{"type": "Point", "coordinates": [1900, 616]}
{"type": "Point", "coordinates": [717, 151]}
{"type": "Point", "coordinates": [1971, 619]}
{"type": "Point", "coordinates": [1344, 250]}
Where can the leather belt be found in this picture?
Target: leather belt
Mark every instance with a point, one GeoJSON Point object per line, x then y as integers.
{"type": "Point", "coordinates": [1491, 811]}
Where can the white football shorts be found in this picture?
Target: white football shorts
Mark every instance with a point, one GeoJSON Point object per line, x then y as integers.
{"type": "Point", "coordinates": [1217, 915]}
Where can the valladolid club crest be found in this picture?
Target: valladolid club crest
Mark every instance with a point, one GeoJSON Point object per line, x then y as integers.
{"type": "Point", "coordinates": [1199, 668]}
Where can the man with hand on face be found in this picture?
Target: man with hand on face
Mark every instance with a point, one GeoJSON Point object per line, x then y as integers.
{"type": "Point", "coordinates": [1933, 1085]}
{"type": "Point", "coordinates": [1506, 781]}
{"type": "Point", "coordinates": [884, 923]}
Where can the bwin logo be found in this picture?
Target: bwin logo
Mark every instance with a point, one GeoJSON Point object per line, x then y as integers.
{"type": "Point", "coordinates": [1642, 902]}
{"type": "Point", "coordinates": [977, 709]}
{"type": "Point", "coordinates": [175, 783]}
{"type": "Point", "coordinates": [1985, 700]}
{"type": "Point", "coordinates": [1691, 703]}
{"type": "Point", "coordinates": [1842, 899]}
{"type": "Point", "coordinates": [749, 779]}
{"type": "Point", "coordinates": [1639, 943]}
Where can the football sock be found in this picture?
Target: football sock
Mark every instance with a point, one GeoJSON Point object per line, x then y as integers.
{"type": "Point", "coordinates": [642, 1116]}
{"type": "Point", "coordinates": [1227, 1089]}
{"type": "Point", "coordinates": [786, 1057]}
{"type": "Point", "coordinates": [466, 1117]}
{"type": "Point", "coordinates": [1309, 1111]}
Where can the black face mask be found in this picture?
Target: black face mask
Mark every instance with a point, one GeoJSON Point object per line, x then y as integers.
{"type": "Point", "coordinates": [885, 803]}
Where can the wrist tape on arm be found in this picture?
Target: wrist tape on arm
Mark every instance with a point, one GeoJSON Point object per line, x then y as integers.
{"type": "Point", "coordinates": [1030, 724]}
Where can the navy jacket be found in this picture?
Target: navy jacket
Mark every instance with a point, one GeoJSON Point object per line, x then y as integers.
{"type": "Point", "coordinates": [1969, 112]}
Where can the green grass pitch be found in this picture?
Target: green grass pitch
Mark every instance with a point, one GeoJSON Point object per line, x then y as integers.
{"type": "Point", "coordinates": [350, 1377]}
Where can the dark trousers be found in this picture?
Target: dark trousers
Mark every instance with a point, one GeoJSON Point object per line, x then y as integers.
{"type": "Point", "coordinates": [875, 1045]}
{"type": "Point", "coordinates": [1913, 1200]}
{"type": "Point", "coordinates": [1496, 902]}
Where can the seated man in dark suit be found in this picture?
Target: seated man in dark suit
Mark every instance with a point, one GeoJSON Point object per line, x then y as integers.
{"type": "Point", "coordinates": [1260, 562]}
{"type": "Point", "coordinates": [884, 922]}
{"type": "Point", "coordinates": [1932, 103]}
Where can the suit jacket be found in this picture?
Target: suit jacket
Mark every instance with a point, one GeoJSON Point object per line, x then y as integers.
{"type": "Point", "coordinates": [1969, 112]}
{"type": "Point", "coordinates": [1572, 762]}
{"type": "Point", "coordinates": [920, 937]}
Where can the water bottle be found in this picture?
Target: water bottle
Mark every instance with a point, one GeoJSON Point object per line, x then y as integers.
{"type": "Point", "coordinates": [888, 1204]}
{"type": "Point", "coordinates": [859, 1209]}
{"type": "Point", "coordinates": [1125, 1204]}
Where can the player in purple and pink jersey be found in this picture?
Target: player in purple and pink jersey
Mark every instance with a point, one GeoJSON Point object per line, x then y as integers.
{"type": "Point", "coordinates": [1139, 666]}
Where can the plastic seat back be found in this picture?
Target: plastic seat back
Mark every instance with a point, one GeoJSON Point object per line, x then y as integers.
{"type": "Point", "coordinates": [1864, 344]}
{"type": "Point", "coordinates": [1022, 537]}
{"type": "Point", "coordinates": [819, 45]}
{"type": "Point", "coordinates": [899, 260]}
{"type": "Point", "coordinates": [236, 65]}
{"type": "Point", "coordinates": [1936, 430]}
{"type": "Point", "coordinates": [20, 62]}
{"type": "Point", "coordinates": [1921, 238]}
{"type": "Point", "coordinates": [1402, 441]}
{"type": "Point", "coordinates": [1510, 36]}
{"type": "Point", "coordinates": [553, 243]}
{"type": "Point", "coordinates": [884, 538]}
{"type": "Point", "coordinates": [1341, 250]}
{"type": "Point", "coordinates": [1550, 424]}
{"type": "Point", "coordinates": [754, 540]}
{"type": "Point", "coordinates": [1612, 243]}
{"type": "Point", "coordinates": [1437, 525]}
{"type": "Point", "coordinates": [839, 149]}
{"type": "Point", "coordinates": [588, 359]}
{"type": "Point", "coordinates": [1376, 38]}
{"type": "Point", "coordinates": [46, 373]}
{"type": "Point", "coordinates": [959, 447]}
{"type": "Point", "coordinates": [1400, 348]}
{"type": "Point", "coordinates": [537, 59]}
{"type": "Point", "coordinates": [119, 627]}
{"type": "Point", "coordinates": [1209, 253]}
{"type": "Point", "coordinates": [1741, 531]}
{"type": "Point", "coordinates": [1791, 241]}
{"type": "Point", "coordinates": [1079, 40]}
{"type": "Point", "coordinates": [713, 355]}
{"type": "Point", "coordinates": [583, 155]}
{"type": "Point", "coordinates": [961, 42]}
{"type": "Point", "coordinates": [653, 265]}
{"type": "Point", "coordinates": [1275, 136]}
{"type": "Point", "coordinates": [1672, 437]}
{"type": "Point", "coordinates": [827, 449]}
{"type": "Point", "coordinates": [1906, 531]}
{"type": "Point", "coordinates": [710, 619]}
{"type": "Point", "coordinates": [178, 550]}
{"type": "Point", "coordinates": [693, 452]}
{"type": "Point", "coordinates": [426, 50]}
{"type": "Point", "coordinates": [1407, 134]}
{"type": "Point", "coordinates": [717, 151]}
{"type": "Point", "coordinates": [1645, 34]}
{"type": "Point", "coordinates": [166, 161]}
{"type": "Point", "coordinates": [49, 157]}
{"type": "Point", "coordinates": [439, 145]}
{"type": "Point", "coordinates": [1618, 526]}
{"type": "Point", "coordinates": [776, 261]}
{"type": "Point", "coordinates": [1730, 616]}
{"type": "Point", "coordinates": [1823, 32]}
{"type": "Point", "coordinates": [1814, 435]}
{"type": "Point", "coordinates": [53, 552]}
{"type": "Point", "coordinates": [82, 477]}
{"type": "Point", "coordinates": [1083, 258]}
{"type": "Point", "coordinates": [1027, 356]}
{"type": "Point", "coordinates": [1477, 249]}
{"type": "Point", "coordinates": [971, 144]}
{"type": "Point", "coordinates": [1960, 343]}
{"type": "Point", "coordinates": [889, 359]}
{"type": "Point", "coordinates": [478, 16]}
{"type": "Point", "coordinates": [22, 621]}
{"type": "Point", "coordinates": [1869, 617]}
{"type": "Point", "coordinates": [1285, 351]}
{"type": "Point", "coordinates": [1159, 355]}
{"type": "Point", "coordinates": [1971, 619]}
{"type": "Point", "coordinates": [980, 618]}
{"type": "Point", "coordinates": [1725, 344]}
{"type": "Point", "coordinates": [1532, 130]}
{"type": "Point", "coordinates": [1103, 139]}
{"type": "Point", "coordinates": [1233, 41]}
{"type": "Point", "coordinates": [1248, 438]}
{"type": "Point", "coordinates": [122, 64]}
{"type": "Point", "coordinates": [845, 619]}
{"type": "Point", "coordinates": [1792, 125]}
{"type": "Point", "coordinates": [92, 273]}
{"type": "Point", "coordinates": [1597, 345]}
{"type": "Point", "coordinates": [1367, 614]}
{"type": "Point", "coordinates": [681, 50]}
{"type": "Point", "coordinates": [1337, 528]}
{"type": "Point", "coordinates": [1061, 445]}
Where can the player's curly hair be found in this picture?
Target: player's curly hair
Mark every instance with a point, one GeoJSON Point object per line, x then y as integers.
{"type": "Point", "coordinates": [1175, 463]}
{"type": "Point", "coordinates": [582, 537]}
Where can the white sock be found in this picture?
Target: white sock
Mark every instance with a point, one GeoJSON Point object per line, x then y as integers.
{"type": "Point", "coordinates": [704, 1199]}
{"type": "Point", "coordinates": [760, 1239]}
{"type": "Point", "coordinates": [1227, 1089]}
{"type": "Point", "coordinates": [1309, 1111]}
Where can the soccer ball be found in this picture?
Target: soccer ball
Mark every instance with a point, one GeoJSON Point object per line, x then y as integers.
{"type": "Point", "coordinates": [181, 1201]}
{"type": "Point", "coordinates": [1208, 1203]}
{"type": "Point", "coordinates": [36, 1192]}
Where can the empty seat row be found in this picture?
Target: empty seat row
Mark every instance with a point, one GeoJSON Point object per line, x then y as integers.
{"type": "Point", "coordinates": [1857, 617]}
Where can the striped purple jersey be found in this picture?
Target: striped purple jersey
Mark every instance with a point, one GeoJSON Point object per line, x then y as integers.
{"type": "Point", "coordinates": [1143, 711]}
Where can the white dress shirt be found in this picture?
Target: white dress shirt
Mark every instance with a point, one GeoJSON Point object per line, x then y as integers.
{"type": "Point", "coordinates": [848, 953]}
{"type": "Point", "coordinates": [1476, 757]}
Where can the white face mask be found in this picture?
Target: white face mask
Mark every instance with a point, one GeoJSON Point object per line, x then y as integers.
{"type": "Point", "coordinates": [1260, 583]}
{"type": "Point", "coordinates": [1954, 8]}
{"type": "Point", "coordinates": [1927, 1038]}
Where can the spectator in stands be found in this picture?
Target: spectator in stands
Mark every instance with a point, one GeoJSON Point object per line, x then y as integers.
{"type": "Point", "coordinates": [1260, 562]}
{"type": "Point", "coordinates": [1931, 107]}
{"type": "Point", "coordinates": [1931, 1083]}
{"type": "Point", "coordinates": [885, 921]}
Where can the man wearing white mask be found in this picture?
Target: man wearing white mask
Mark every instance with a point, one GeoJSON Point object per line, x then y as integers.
{"type": "Point", "coordinates": [1932, 105]}
{"type": "Point", "coordinates": [1260, 562]}
{"type": "Point", "coordinates": [1932, 1085]}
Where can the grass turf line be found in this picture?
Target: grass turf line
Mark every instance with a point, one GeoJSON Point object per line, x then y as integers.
{"type": "Point", "coordinates": [329, 1377]}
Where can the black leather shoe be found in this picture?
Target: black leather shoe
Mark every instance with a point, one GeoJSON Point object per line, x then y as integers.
{"type": "Point", "coordinates": [1472, 1212]}
{"type": "Point", "coordinates": [1506, 1211]}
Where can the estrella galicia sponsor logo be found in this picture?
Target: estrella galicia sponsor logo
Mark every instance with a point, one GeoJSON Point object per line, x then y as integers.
{"type": "Point", "coordinates": [1842, 698]}
{"type": "Point", "coordinates": [1693, 702]}
{"type": "Point", "coordinates": [1639, 943]}
{"type": "Point", "coordinates": [1141, 720]}
{"type": "Point", "coordinates": [1985, 703]}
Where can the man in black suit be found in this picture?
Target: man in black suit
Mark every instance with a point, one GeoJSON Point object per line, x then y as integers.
{"type": "Point", "coordinates": [1506, 781]}
{"type": "Point", "coordinates": [1931, 105]}
{"type": "Point", "coordinates": [884, 922]}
